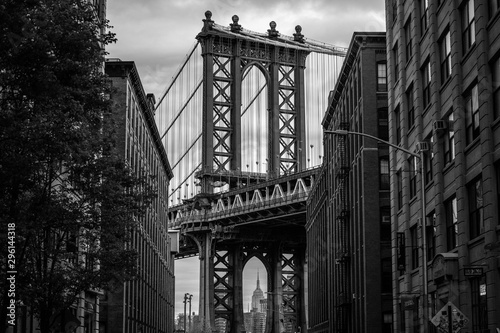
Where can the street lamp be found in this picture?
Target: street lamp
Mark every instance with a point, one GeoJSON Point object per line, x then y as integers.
{"type": "Point", "coordinates": [187, 298]}
{"type": "Point", "coordinates": [420, 157]}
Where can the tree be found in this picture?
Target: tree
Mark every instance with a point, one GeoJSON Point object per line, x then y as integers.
{"type": "Point", "coordinates": [65, 192]}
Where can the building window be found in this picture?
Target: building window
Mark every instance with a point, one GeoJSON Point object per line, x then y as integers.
{"type": "Point", "coordinates": [411, 107]}
{"type": "Point", "coordinates": [493, 6]}
{"type": "Point", "coordinates": [401, 252]}
{"type": "Point", "coordinates": [431, 235]}
{"type": "Point", "coordinates": [414, 246]}
{"type": "Point", "coordinates": [429, 160]}
{"type": "Point", "coordinates": [475, 195]}
{"type": "Point", "coordinates": [468, 26]}
{"type": "Point", "coordinates": [408, 41]}
{"type": "Point", "coordinates": [385, 224]}
{"type": "Point", "coordinates": [426, 84]}
{"type": "Point", "coordinates": [413, 176]}
{"type": "Point", "coordinates": [495, 73]}
{"type": "Point", "coordinates": [472, 115]}
{"type": "Point", "coordinates": [445, 55]}
{"type": "Point", "coordinates": [399, 180]}
{"type": "Point", "coordinates": [424, 15]}
{"type": "Point", "coordinates": [383, 124]}
{"type": "Point", "coordinates": [479, 304]}
{"type": "Point", "coordinates": [384, 174]}
{"type": "Point", "coordinates": [398, 125]}
{"type": "Point", "coordinates": [450, 207]}
{"type": "Point", "coordinates": [449, 141]}
{"type": "Point", "coordinates": [382, 76]}
{"type": "Point", "coordinates": [395, 52]}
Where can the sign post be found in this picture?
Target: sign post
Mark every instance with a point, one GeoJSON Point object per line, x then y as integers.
{"type": "Point", "coordinates": [449, 319]}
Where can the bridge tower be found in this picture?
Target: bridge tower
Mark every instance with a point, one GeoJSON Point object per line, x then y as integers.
{"type": "Point", "coordinates": [228, 53]}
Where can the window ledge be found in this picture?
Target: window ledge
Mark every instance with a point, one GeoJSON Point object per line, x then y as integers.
{"type": "Point", "coordinates": [469, 53]}
{"type": "Point", "coordinates": [449, 166]}
{"type": "Point", "coordinates": [471, 145]}
{"type": "Point", "coordinates": [495, 123]}
{"type": "Point", "coordinates": [445, 83]}
{"type": "Point", "coordinates": [476, 240]}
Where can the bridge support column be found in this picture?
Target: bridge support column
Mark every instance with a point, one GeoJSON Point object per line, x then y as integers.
{"type": "Point", "coordinates": [276, 295]}
{"type": "Point", "coordinates": [238, 324]}
{"type": "Point", "coordinates": [206, 308]}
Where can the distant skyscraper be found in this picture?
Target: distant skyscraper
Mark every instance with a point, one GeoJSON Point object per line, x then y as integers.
{"type": "Point", "coordinates": [258, 295]}
{"type": "Point", "coordinates": [255, 320]}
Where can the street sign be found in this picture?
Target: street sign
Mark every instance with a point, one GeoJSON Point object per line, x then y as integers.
{"type": "Point", "coordinates": [473, 271]}
{"type": "Point", "coordinates": [442, 319]}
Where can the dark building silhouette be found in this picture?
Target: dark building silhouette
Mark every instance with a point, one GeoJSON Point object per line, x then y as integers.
{"type": "Point", "coordinates": [444, 97]}
{"type": "Point", "coordinates": [348, 213]}
{"type": "Point", "coordinates": [145, 304]}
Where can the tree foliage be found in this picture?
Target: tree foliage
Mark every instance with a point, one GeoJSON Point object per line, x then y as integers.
{"type": "Point", "coordinates": [62, 181]}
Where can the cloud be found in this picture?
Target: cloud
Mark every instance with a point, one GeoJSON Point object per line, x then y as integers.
{"type": "Point", "coordinates": [157, 34]}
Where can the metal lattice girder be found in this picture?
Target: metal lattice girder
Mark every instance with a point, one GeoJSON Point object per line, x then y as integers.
{"type": "Point", "coordinates": [221, 65]}
{"type": "Point", "coordinates": [290, 285]}
{"type": "Point", "coordinates": [223, 276]}
{"type": "Point", "coordinates": [287, 118]}
{"type": "Point", "coordinates": [222, 108]}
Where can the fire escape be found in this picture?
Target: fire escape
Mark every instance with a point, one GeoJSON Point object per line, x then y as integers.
{"type": "Point", "coordinates": [342, 210]}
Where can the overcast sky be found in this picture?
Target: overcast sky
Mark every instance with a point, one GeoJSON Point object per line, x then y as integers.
{"type": "Point", "coordinates": [158, 34]}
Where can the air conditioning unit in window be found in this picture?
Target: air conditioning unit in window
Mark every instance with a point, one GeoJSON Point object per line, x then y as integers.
{"type": "Point", "coordinates": [386, 219]}
{"type": "Point", "coordinates": [423, 146]}
{"type": "Point", "coordinates": [440, 125]}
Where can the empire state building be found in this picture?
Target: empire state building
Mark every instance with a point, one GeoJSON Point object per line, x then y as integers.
{"type": "Point", "coordinates": [257, 297]}
{"type": "Point", "coordinates": [255, 320]}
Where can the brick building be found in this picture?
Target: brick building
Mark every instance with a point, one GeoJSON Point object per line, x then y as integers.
{"type": "Point", "coordinates": [348, 212]}
{"type": "Point", "coordinates": [145, 304]}
{"type": "Point", "coordinates": [444, 96]}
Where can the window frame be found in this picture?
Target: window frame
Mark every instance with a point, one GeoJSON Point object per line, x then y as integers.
{"type": "Point", "coordinates": [431, 235]}
{"type": "Point", "coordinates": [445, 56]}
{"type": "Point", "coordinates": [428, 161]}
{"type": "Point", "coordinates": [476, 208]}
{"type": "Point", "coordinates": [415, 262]}
{"type": "Point", "coordinates": [426, 84]}
{"type": "Point", "coordinates": [397, 115]}
{"type": "Point", "coordinates": [408, 40]}
{"type": "Point", "coordinates": [449, 141]}
{"type": "Point", "coordinates": [451, 217]}
{"type": "Point", "coordinates": [412, 161]}
{"type": "Point", "coordinates": [424, 16]}
{"type": "Point", "coordinates": [410, 104]}
{"type": "Point", "coordinates": [471, 105]}
{"type": "Point", "coordinates": [468, 26]}
{"type": "Point", "coordinates": [381, 76]}
{"type": "Point", "coordinates": [399, 186]}
{"type": "Point", "coordinates": [384, 173]}
{"type": "Point", "coordinates": [395, 52]}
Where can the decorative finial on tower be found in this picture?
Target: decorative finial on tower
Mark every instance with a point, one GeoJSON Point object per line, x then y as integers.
{"type": "Point", "coordinates": [207, 22]}
{"type": "Point", "coordinates": [258, 280]}
{"type": "Point", "coordinates": [273, 33]}
{"type": "Point", "coordinates": [297, 36]}
{"type": "Point", "coordinates": [235, 27]}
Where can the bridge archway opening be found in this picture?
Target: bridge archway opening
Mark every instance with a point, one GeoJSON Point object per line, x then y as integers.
{"type": "Point", "coordinates": [254, 120]}
{"type": "Point", "coordinates": [255, 283]}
